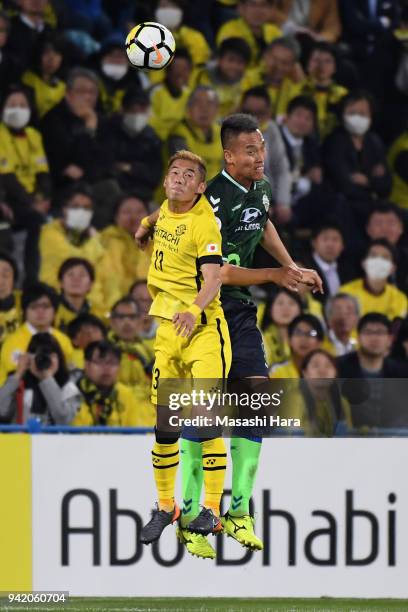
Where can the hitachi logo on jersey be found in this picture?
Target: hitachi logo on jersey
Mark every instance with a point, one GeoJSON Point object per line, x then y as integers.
{"type": "Point", "coordinates": [168, 236]}
{"type": "Point", "coordinates": [212, 248]}
{"type": "Point", "coordinates": [250, 214]}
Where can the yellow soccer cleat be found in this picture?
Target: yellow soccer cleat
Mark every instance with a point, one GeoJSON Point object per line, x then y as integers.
{"type": "Point", "coordinates": [196, 544]}
{"type": "Point", "coordinates": [241, 528]}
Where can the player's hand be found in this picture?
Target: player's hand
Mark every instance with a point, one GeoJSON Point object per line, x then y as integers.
{"type": "Point", "coordinates": [184, 323]}
{"type": "Point", "coordinates": [142, 237]}
{"type": "Point", "coordinates": [312, 280]}
{"type": "Point", "coordinates": [288, 277]}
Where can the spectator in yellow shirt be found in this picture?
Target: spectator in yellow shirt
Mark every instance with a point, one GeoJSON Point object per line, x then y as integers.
{"type": "Point", "coordinates": [373, 292]}
{"type": "Point", "coordinates": [105, 401]}
{"type": "Point", "coordinates": [279, 72]}
{"type": "Point", "coordinates": [127, 262]}
{"type": "Point", "coordinates": [39, 304]}
{"type": "Point", "coordinates": [169, 99]}
{"type": "Point", "coordinates": [170, 14]}
{"type": "Point", "coordinates": [199, 132]}
{"type": "Point", "coordinates": [225, 74]}
{"type": "Point", "coordinates": [398, 161]}
{"type": "Point", "coordinates": [73, 236]}
{"type": "Point", "coordinates": [279, 312]}
{"type": "Point", "coordinates": [44, 76]}
{"type": "Point", "coordinates": [10, 299]}
{"type": "Point", "coordinates": [24, 174]}
{"type": "Point", "coordinates": [83, 330]}
{"type": "Point", "coordinates": [76, 277]}
{"type": "Point", "coordinates": [252, 26]}
{"type": "Point", "coordinates": [305, 335]}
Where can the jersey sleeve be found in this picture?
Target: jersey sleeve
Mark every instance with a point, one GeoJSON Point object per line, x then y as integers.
{"type": "Point", "coordinates": [208, 240]}
{"type": "Point", "coordinates": [215, 197]}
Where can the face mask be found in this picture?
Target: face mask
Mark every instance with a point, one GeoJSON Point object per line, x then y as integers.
{"type": "Point", "coordinates": [78, 219]}
{"type": "Point", "coordinates": [170, 17]}
{"type": "Point", "coordinates": [16, 118]}
{"type": "Point", "coordinates": [114, 71]}
{"type": "Point", "coordinates": [135, 122]}
{"type": "Point", "coordinates": [377, 268]}
{"type": "Point", "coordinates": [356, 124]}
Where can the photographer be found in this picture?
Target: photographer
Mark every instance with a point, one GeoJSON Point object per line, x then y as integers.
{"type": "Point", "coordinates": [40, 386]}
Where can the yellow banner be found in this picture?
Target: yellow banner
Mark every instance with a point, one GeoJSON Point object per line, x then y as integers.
{"type": "Point", "coordinates": [15, 513]}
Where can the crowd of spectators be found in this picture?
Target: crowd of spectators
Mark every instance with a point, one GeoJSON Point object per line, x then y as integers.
{"type": "Point", "coordinates": [84, 142]}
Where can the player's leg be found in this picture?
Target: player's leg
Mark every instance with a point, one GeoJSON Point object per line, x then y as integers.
{"type": "Point", "coordinates": [210, 357]}
{"type": "Point", "coordinates": [248, 362]}
{"type": "Point", "coordinates": [165, 452]}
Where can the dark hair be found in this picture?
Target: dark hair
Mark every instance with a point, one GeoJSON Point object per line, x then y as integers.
{"type": "Point", "coordinates": [383, 242]}
{"type": "Point", "coordinates": [181, 53]}
{"type": "Point", "coordinates": [47, 343]}
{"type": "Point", "coordinates": [323, 47]}
{"type": "Point", "coordinates": [267, 318]}
{"type": "Point", "coordinates": [73, 262]}
{"type": "Point", "coordinates": [302, 102]}
{"type": "Point", "coordinates": [234, 125]}
{"type": "Point", "coordinates": [49, 40]}
{"type": "Point", "coordinates": [140, 281]}
{"type": "Point", "coordinates": [125, 301]}
{"type": "Point", "coordinates": [82, 320]}
{"type": "Point", "coordinates": [36, 291]}
{"type": "Point", "coordinates": [104, 348]}
{"type": "Point", "coordinates": [235, 45]}
{"type": "Point", "coordinates": [79, 187]}
{"type": "Point", "coordinates": [374, 317]}
{"type": "Point", "coordinates": [122, 198]}
{"type": "Point", "coordinates": [257, 92]}
{"type": "Point", "coordinates": [327, 225]}
{"type": "Point", "coordinates": [135, 95]}
{"type": "Point", "coordinates": [355, 96]}
{"type": "Point", "coordinates": [384, 208]}
{"type": "Point", "coordinates": [9, 259]}
{"type": "Point", "coordinates": [318, 351]}
{"type": "Point", "coordinates": [27, 92]}
{"type": "Point", "coordinates": [310, 320]}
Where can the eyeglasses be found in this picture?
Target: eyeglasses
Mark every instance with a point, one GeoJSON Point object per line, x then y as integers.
{"type": "Point", "coordinates": [120, 317]}
{"type": "Point", "coordinates": [312, 333]}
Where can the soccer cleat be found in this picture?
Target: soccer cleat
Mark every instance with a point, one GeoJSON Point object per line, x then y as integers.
{"type": "Point", "coordinates": [159, 521]}
{"type": "Point", "coordinates": [206, 522]}
{"type": "Point", "coordinates": [241, 528]}
{"type": "Point", "coordinates": [196, 544]}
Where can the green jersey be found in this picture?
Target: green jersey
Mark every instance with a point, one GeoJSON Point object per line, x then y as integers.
{"type": "Point", "coordinates": [241, 215]}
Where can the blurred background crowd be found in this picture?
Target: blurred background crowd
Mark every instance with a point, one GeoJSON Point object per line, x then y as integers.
{"type": "Point", "coordinates": [84, 141]}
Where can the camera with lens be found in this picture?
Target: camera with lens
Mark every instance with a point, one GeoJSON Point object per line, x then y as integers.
{"type": "Point", "coordinates": [42, 360]}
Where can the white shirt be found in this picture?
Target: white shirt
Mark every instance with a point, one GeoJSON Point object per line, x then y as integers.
{"type": "Point", "coordinates": [339, 347]}
{"type": "Point", "coordinates": [330, 272]}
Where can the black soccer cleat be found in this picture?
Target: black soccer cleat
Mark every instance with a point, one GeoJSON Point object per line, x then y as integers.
{"type": "Point", "coordinates": [157, 524]}
{"type": "Point", "coordinates": [206, 522]}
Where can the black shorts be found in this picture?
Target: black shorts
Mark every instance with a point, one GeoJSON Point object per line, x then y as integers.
{"type": "Point", "coordinates": [248, 355]}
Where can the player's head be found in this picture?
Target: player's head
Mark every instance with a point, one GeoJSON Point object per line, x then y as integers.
{"type": "Point", "coordinates": [185, 178]}
{"type": "Point", "coordinates": [244, 147]}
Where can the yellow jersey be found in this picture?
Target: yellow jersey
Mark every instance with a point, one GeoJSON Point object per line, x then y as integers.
{"type": "Point", "coordinates": [391, 302]}
{"type": "Point", "coordinates": [46, 95]}
{"type": "Point", "coordinates": [167, 110]}
{"type": "Point", "coordinates": [280, 95]}
{"type": "Point", "coordinates": [22, 154]}
{"type": "Point", "coordinates": [207, 146]}
{"type": "Point", "coordinates": [399, 193]}
{"type": "Point", "coordinates": [239, 28]}
{"type": "Point", "coordinates": [10, 315]}
{"type": "Point", "coordinates": [182, 243]}
{"type": "Point", "coordinates": [287, 369]}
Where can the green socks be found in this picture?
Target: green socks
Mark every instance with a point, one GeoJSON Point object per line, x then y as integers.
{"type": "Point", "coordinates": [245, 458]}
{"type": "Point", "coordinates": [192, 479]}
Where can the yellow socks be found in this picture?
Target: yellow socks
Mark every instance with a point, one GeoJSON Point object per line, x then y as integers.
{"type": "Point", "coordinates": [214, 467]}
{"type": "Point", "coordinates": [165, 459]}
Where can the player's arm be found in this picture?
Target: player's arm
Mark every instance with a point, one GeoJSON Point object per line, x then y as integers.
{"type": "Point", "coordinates": [145, 229]}
{"type": "Point", "coordinates": [286, 276]}
{"type": "Point", "coordinates": [273, 245]}
{"type": "Point", "coordinates": [184, 321]}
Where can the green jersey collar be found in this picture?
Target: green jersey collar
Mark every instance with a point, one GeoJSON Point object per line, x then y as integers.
{"type": "Point", "coordinates": [229, 177]}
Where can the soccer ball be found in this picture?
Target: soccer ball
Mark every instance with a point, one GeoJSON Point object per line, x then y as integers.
{"type": "Point", "coordinates": [150, 45]}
